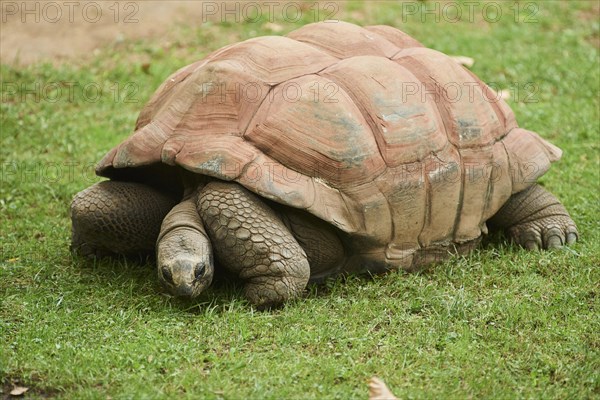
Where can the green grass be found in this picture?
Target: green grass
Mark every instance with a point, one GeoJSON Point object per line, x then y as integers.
{"type": "Point", "coordinates": [500, 323]}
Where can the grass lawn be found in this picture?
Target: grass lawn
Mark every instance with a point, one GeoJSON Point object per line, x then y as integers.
{"type": "Point", "coordinates": [500, 323]}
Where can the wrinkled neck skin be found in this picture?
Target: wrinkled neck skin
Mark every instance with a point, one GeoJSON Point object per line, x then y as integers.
{"type": "Point", "coordinates": [184, 252]}
{"type": "Point", "coordinates": [192, 184]}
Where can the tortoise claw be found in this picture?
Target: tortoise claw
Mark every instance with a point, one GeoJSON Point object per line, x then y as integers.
{"type": "Point", "coordinates": [572, 237]}
{"type": "Point", "coordinates": [554, 238]}
{"type": "Point", "coordinates": [548, 233]}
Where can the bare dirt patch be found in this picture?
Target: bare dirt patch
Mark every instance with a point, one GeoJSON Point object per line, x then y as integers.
{"type": "Point", "coordinates": [12, 388]}
{"type": "Point", "coordinates": [55, 31]}
{"type": "Point", "coordinates": [591, 16]}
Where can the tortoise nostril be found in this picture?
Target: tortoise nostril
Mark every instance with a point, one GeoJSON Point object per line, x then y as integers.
{"type": "Point", "coordinates": [199, 271]}
{"type": "Point", "coordinates": [167, 275]}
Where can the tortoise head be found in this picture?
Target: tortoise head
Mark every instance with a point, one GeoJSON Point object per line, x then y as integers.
{"type": "Point", "coordinates": [185, 276]}
{"type": "Point", "coordinates": [184, 253]}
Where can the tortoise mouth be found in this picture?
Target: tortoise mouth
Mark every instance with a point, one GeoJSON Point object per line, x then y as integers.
{"type": "Point", "coordinates": [186, 291]}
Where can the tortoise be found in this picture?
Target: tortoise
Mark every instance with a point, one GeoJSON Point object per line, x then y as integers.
{"type": "Point", "coordinates": [336, 149]}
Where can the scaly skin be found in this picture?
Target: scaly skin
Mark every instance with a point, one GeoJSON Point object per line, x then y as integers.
{"type": "Point", "coordinates": [184, 252]}
{"type": "Point", "coordinates": [323, 247]}
{"type": "Point", "coordinates": [269, 250]}
{"type": "Point", "coordinates": [113, 217]}
{"type": "Point", "coordinates": [252, 242]}
{"type": "Point", "coordinates": [535, 219]}
{"type": "Point", "coordinates": [250, 239]}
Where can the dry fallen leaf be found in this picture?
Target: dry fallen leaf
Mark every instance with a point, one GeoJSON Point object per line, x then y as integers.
{"type": "Point", "coordinates": [18, 391]}
{"type": "Point", "coordinates": [463, 60]}
{"type": "Point", "coordinates": [378, 390]}
{"type": "Point", "coordinates": [504, 94]}
{"type": "Point", "coordinates": [273, 27]}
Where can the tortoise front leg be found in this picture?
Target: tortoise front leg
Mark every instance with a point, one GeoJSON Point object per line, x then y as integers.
{"type": "Point", "coordinates": [251, 241]}
{"type": "Point", "coordinates": [112, 217]}
{"type": "Point", "coordinates": [536, 219]}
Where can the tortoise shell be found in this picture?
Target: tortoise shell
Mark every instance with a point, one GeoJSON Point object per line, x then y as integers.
{"type": "Point", "coordinates": [395, 144]}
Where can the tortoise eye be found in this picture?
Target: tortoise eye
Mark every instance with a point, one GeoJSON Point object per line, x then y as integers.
{"type": "Point", "coordinates": [167, 275]}
{"type": "Point", "coordinates": [199, 271]}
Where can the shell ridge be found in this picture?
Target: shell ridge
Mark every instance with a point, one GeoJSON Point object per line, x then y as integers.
{"type": "Point", "coordinates": [244, 169]}
{"type": "Point", "coordinates": [489, 195]}
{"type": "Point", "coordinates": [169, 154]}
{"type": "Point", "coordinates": [391, 58]}
{"type": "Point", "coordinates": [423, 76]}
{"type": "Point", "coordinates": [509, 159]}
{"type": "Point", "coordinates": [272, 88]}
{"type": "Point", "coordinates": [552, 152]}
{"type": "Point", "coordinates": [389, 209]}
{"type": "Point", "coordinates": [106, 161]}
{"type": "Point", "coordinates": [508, 122]}
{"type": "Point", "coordinates": [348, 207]}
{"type": "Point", "coordinates": [141, 147]}
{"type": "Point", "coordinates": [474, 121]}
{"type": "Point", "coordinates": [165, 90]}
{"type": "Point", "coordinates": [427, 213]}
{"type": "Point", "coordinates": [373, 126]}
{"type": "Point", "coordinates": [379, 40]}
{"type": "Point", "coordinates": [270, 69]}
{"type": "Point", "coordinates": [330, 139]}
{"type": "Point", "coordinates": [395, 36]}
{"type": "Point", "coordinates": [461, 195]}
{"type": "Point", "coordinates": [255, 113]}
{"type": "Point", "coordinates": [529, 157]}
{"type": "Point", "coordinates": [180, 111]}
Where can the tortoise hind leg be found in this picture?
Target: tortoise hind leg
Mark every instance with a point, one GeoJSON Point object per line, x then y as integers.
{"type": "Point", "coordinates": [536, 219]}
{"type": "Point", "coordinates": [323, 247]}
{"type": "Point", "coordinates": [112, 217]}
{"type": "Point", "coordinates": [251, 241]}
